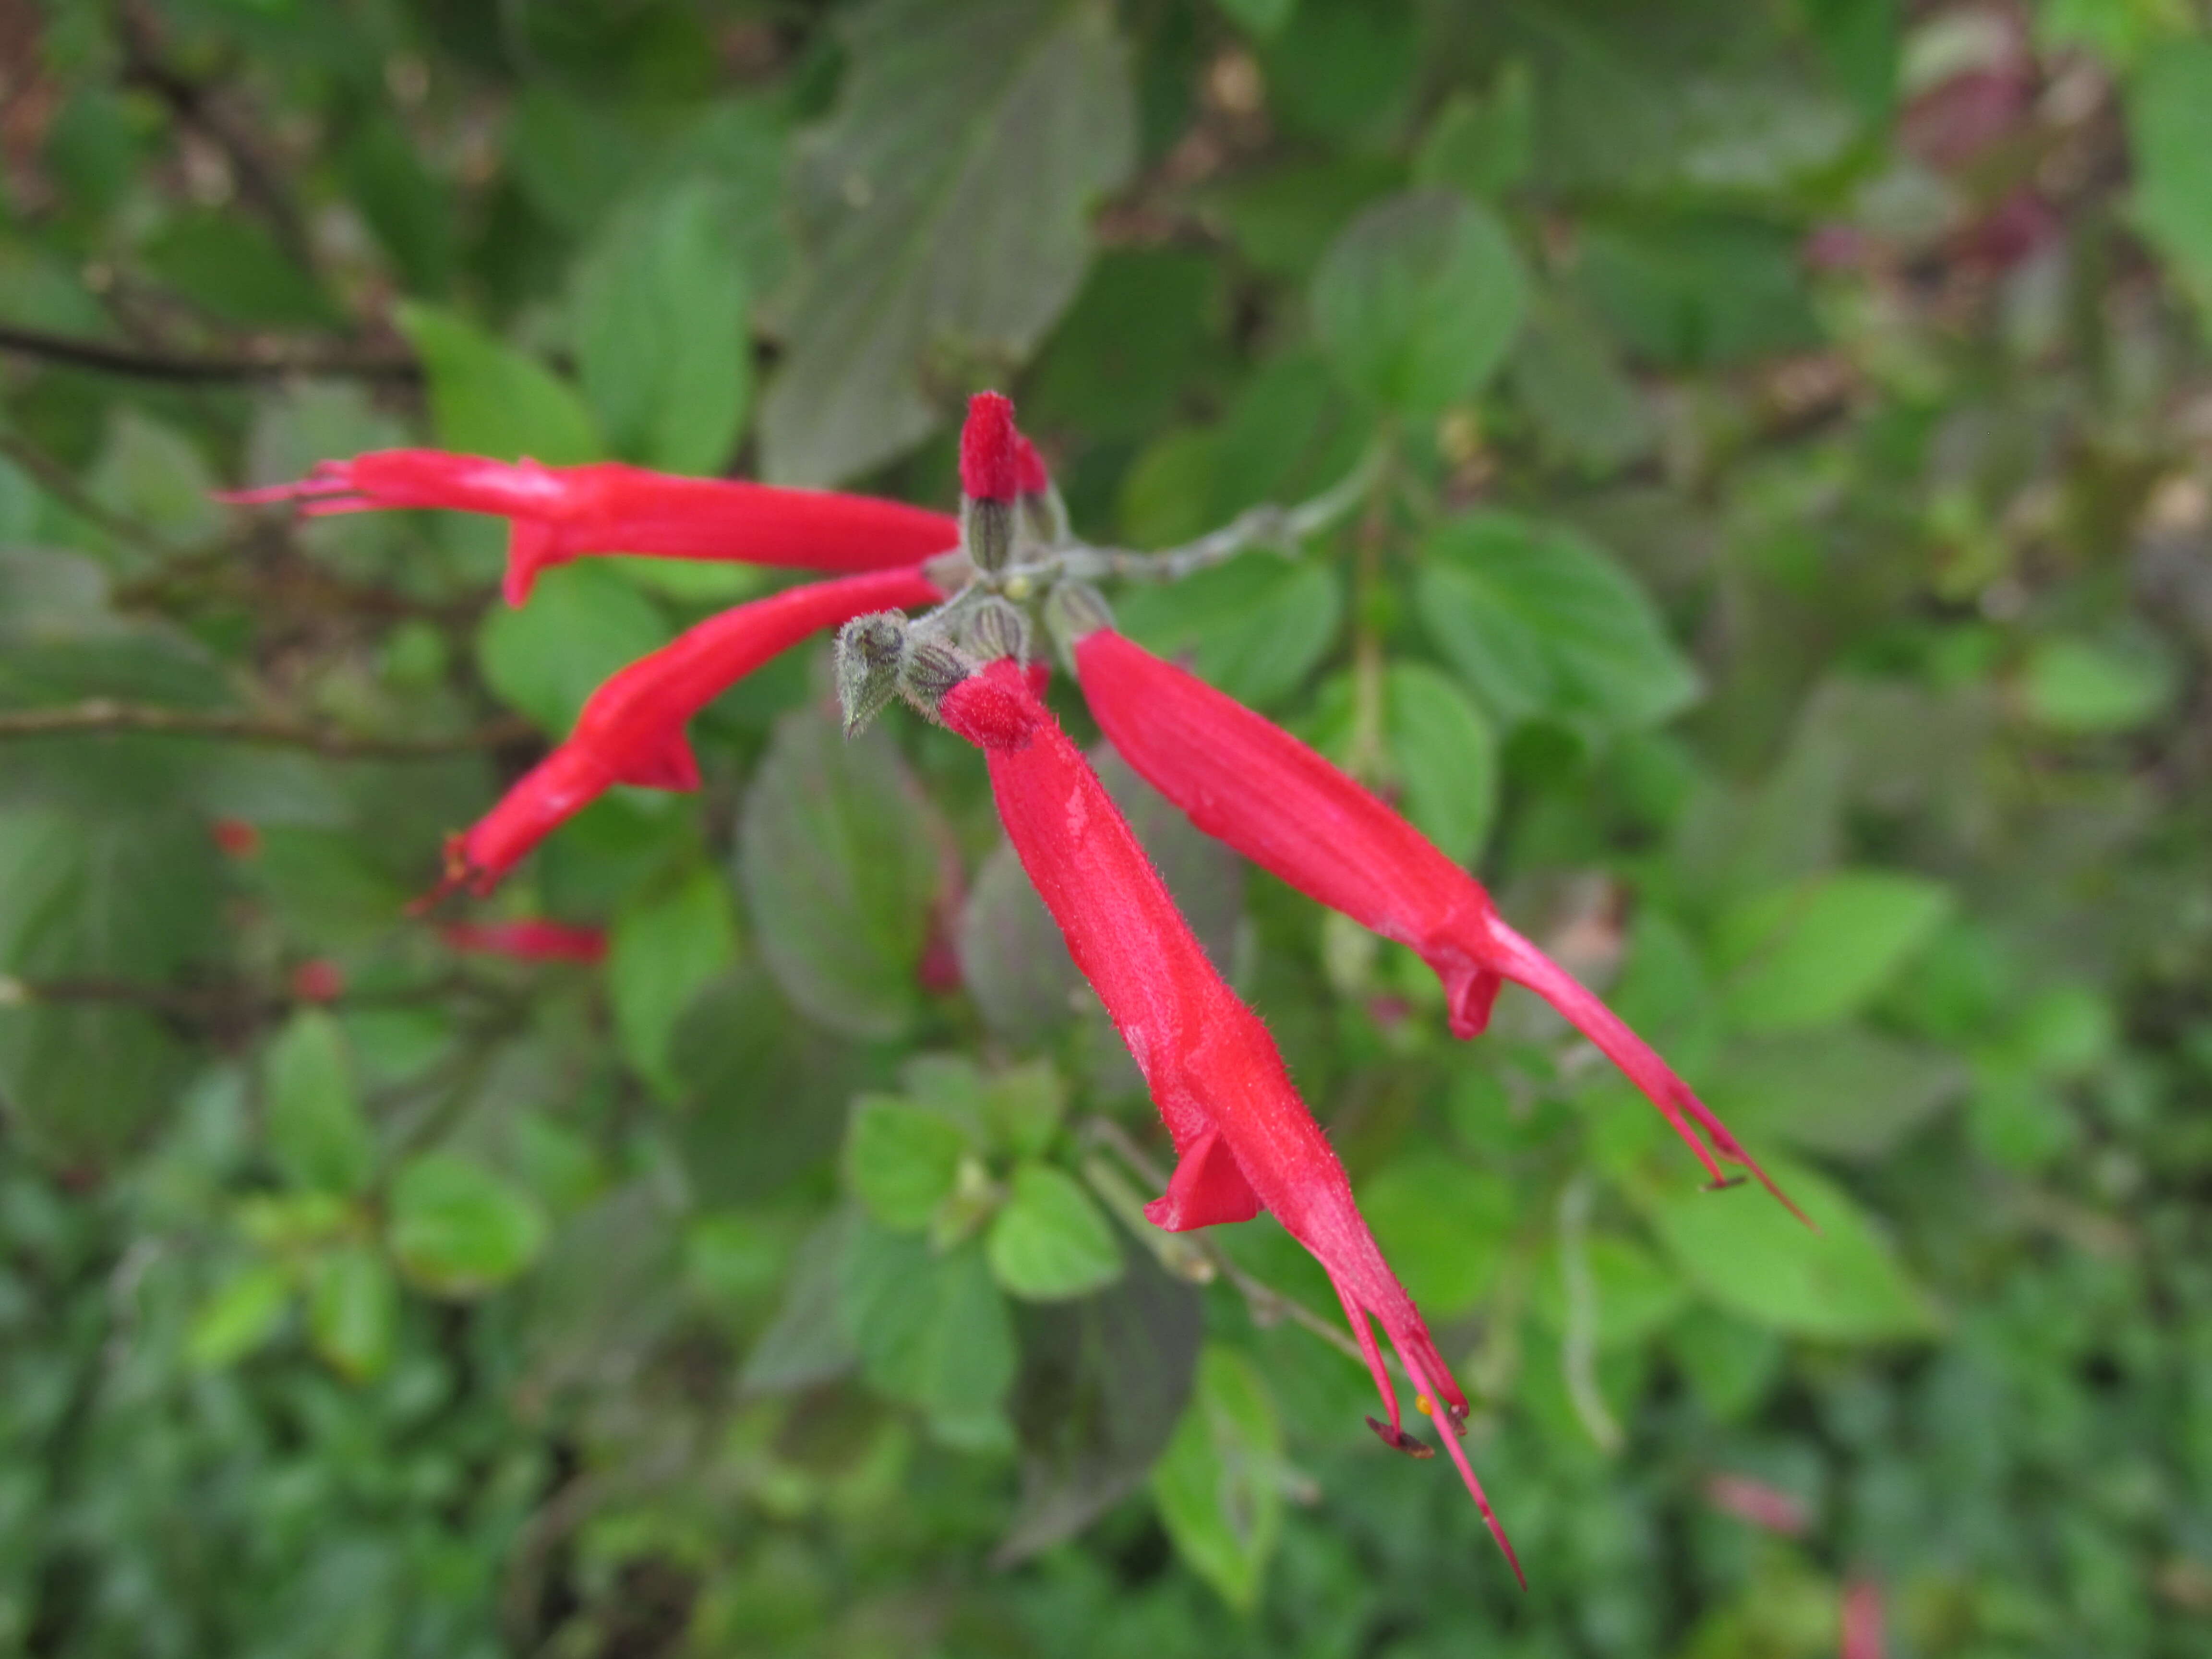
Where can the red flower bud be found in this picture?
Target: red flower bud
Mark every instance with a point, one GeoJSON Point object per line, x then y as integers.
{"type": "Point", "coordinates": [631, 731]}
{"type": "Point", "coordinates": [562, 513]}
{"type": "Point", "coordinates": [1030, 476]}
{"type": "Point", "coordinates": [990, 450]}
{"type": "Point", "coordinates": [1243, 1138]}
{"type": "Point", "coordinates": [235, 838]}
{"type": "Point", "coordinates": [1245, 780]}
{"type": "Point", "coordinates": [528, 941]}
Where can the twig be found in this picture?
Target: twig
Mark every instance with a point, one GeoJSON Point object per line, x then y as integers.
{"type": "Point", "coordinates": [269, 361]}
{"type": "Point", "coordinates": [100, 714]}
{"type": "Point", "coordinates": [1268, 525]}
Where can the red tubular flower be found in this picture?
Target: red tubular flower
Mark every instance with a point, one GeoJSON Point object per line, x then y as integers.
{"type": "Point", "coordinates": [534, 941]}
{"type": "Point", "coordinates": [1243, 1138]}
{"type": "Point", "coordinates": [1862, 1621]}
{"type": "Point", "coordinates": [562, 513]}
{"type": "Point", "coordinates": [631, 731]}
{"type": "Point", "coordinates": [1245, 780]}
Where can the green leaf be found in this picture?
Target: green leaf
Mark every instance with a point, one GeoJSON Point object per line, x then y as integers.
{"type": "Point", "coordinates": [1022, 1107]}
{"type": "Point", "coordinates": [901, 1160]}
{"type": "Point", "coordinates": [1049, 1241]}
{"type": "Point", "coordinates": [316, 1131]}
{"type": "Point", "coordinates": [1419, 301]}
{"type": "Point", "coordinates": [233, 269]}
{"type": "Point", "coordinates": [659, 316]}
{"type": "Point", "coordinates": [2094, 685]}
{"type": "Point", "coordinates": [1444, 755]}
{"type": "Point", "coordinates": [1263, 18]}
{"type": "Point", "coordinates": [838, 869]}
{"type": "Point", "coordinates": [946, 204]}
{"type": "Point", "coordinates": [933, 1331]}
{"type": "Point", "coordinates": [1752, 1258]}
{"type": "Point", "coordinates": [1482, 146]}
{"type": "Point", "coordinates": [1218, 1487]}
{"type": "Point", "coordinates": [458, 1230]}
{"type": "Point", "coordinates": [584, 621]}
{"type": "Point", "coordinates": [1636, 1295]}
{"type": "Point", "coordinates": [1698, 293]}
{"type": "Point", "coordinates": [241, 1317]}
{"type": "Point", "coordinates": [2169, 104]}
{"type": "Point", "coordinates": [1820, 951]}
{"type": "Point", "coordinates": [806, 1343]}
{"type": "Point", "coordinates": [1104, 1381]}
{"type": "Point", "coordinates": [487, 398]}
{"type": "Point", "coordinates": [1587, 411]}
{"type": "Point", "coordinates": [1254, 627]}
{"type": "Point", "coordinates": [1846, 1091]}
{"type": "Point", "coordinates": [665, 946]}
{"type": "Point", "coordinates": [1444, 1226]}
{"type": "Point", "coordinates": [155, 475]}
{"type": "Point", "coordinates": [353, 1311]}
{"type": "Point", "coordinates": [1539, 621]}
{"type": "Point", "coordinates": [764, 1087]}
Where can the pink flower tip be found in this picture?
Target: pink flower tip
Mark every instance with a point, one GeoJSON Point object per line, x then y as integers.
{"type": "Point", "coordinates": [317, 980]}
{"type": "Point", "coordinates": [990, 458]}
{"type": "Point", "coordinates": [235, 838]}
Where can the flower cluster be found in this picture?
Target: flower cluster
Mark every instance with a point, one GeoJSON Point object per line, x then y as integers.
{"type": "Point", "coordinates": [985, 583]}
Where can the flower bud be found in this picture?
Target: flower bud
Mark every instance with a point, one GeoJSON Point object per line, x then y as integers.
{"type": "Point", "coordinates": [990, 480]}
{"type": "Point", "coordinates": [996, 628]}
{"type": "Point", "coordinates": [931, 669]}
{"type": "Point", "coordinates": [870, 650]}
{"type": "Point", "coordinates": [1072, 613]}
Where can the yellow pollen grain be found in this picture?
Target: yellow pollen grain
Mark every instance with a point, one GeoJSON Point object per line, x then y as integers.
{"type": "Point", "coordinates": [1423, 1404]}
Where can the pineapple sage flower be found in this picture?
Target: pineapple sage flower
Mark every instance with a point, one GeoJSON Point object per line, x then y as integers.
{"type": "Point", "coordinates": [562, 513]}
{"type": "Point", "coordinates": [631, 729]}
{"type": "Point", "coordinates": [1243, 1139]}
{"type": "Point", "coordinates": [1244, 780]}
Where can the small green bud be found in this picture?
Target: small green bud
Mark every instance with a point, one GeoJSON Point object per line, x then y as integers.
{"type": "Point", "coordinates": [932, 668]}
{"type": "Point", "coordinates": [870, 653]}
{"type": "Point", "coordinates": [988, 533]}
{"type": "Point", "coordinates": [996, 628]}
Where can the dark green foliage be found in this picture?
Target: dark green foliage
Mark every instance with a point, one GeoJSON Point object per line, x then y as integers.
{"type": "Point", "coordinates": [1782, 574]}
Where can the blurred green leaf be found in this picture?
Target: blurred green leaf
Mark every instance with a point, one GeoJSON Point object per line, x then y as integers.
{"type": "Point", "coordinates": [944, 203]}
{"type": "Point", "coordinates": [1049, 1241]}
{"type": "Point", "coordinates": [1690, 293]}
{"type": "Point", "coordinates": [1104, 1381]}
{"type": "Point", "coordinates": [663, 947]}
{"type": "Point", "coordinates": [1817, 952]}
{"type": "Point", "coordinates": [1634, 1295]}
{"type": "Point", "coordinates": [808, 1341]}
{"type": "Point", "coordinates": [1846, 1091]}
{"type": "Point", "coordinates": [1539, 621]}
{"type": "Point", "coordinates": [901, 1160]}
{"type": "Point", "coordinates": [1751, 1257]}
{"type": "Point", "coordinates": [241, 1315]}
{"type": "Point", "coordinates": [2169, 106]}
{"type": "Point", "coordinates": [458, 1230]}
{"type": "Point", "coordinates": [487, 398]}
{"type": "Point", "coordinates": [1254, 627]}
{"type": "Point", "coordinates": [1419, 301]}
{"type": "Point", "coordinates": [1218, 1486]}
{"type": "Point", "coordinates": [2088, 685]}
{"type": "Point", "coordinates": [316, 1131]}
{"type": "Point", "coordinates": [835, 858]}
{"type": "Point", "coordinates": [353, 1311]}
{"type": "Point", "coordinates": [1444, 755]}
{"type": "Point", "coordinates": [1587, 410]}
{"type": "Point", "coordinates": [583, 623]}
{"type": "Point", "coordinates": [232, 268]}
{"type": "Point", "coordinates": [659, 307]}
{"type": "Point", "coordinates": [1260, 17]}
{"type": "Point", "coordinates": [1022, 1107]}
{"type": "Point", "coordinates": [1482, 146]}
{"type": "Point", "coordinates": [933, 1331]}
{"type": "Point", "coordinates": [1444, 1226]}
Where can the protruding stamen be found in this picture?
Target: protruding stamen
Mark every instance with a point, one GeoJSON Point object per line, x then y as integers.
{"type": "Point", "coordinates": [1398, 1440]}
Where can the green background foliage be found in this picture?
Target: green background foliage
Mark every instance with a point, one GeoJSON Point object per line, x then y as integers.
{"type": "Point", "coordinates": [1787, 581]}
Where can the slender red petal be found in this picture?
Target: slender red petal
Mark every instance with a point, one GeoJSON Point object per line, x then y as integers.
{"type": "Point", "coordinates": [990, 457]}
{"type": "Point", "coordinates": [1245, 780]}
{"type": "Point", "coordinates": [563, 513]}
{"type": "Point", "coordinates": [534, 940]}
{"type": "Point", "coordinates": [631, 731]}
{"type": "Point", "coordinates": [1213, 1070]}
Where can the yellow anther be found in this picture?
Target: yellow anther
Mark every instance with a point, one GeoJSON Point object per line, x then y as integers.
{"type": "Point", "coordinates": [1423, 1404]}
